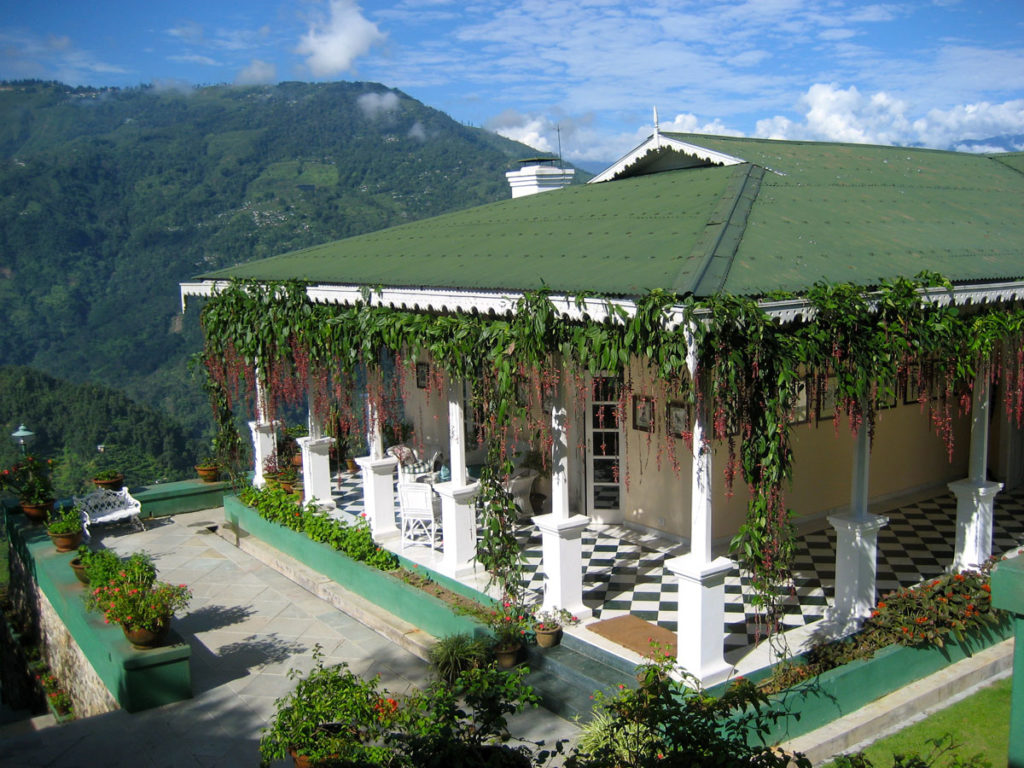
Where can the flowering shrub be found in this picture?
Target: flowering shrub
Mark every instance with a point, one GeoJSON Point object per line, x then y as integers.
{"type": "Point", "coordinates": [927, 613]}
{"type": "Point", "coordinates": [509, 623]}
{"type": "Point", "coordinates": [140, 607]}
{"type": "Point", "coordinates": [30, 480]}
{"type": "Point", "coordinates": [56, 696]}
{"type": "Point", "coordinates": [553, 618]}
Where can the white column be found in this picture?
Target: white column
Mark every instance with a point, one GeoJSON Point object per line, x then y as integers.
{"type": "Point", "coordinates": [975, 496]}
{"type": "Point", "coordinates": [264, 438]}
{"type": "Point", "coordinates": [316, 470]}
{"type": "Point", "coordinates": [856, 549]}
{"type": "Point", "coordinates": [458, 497]}
{"type": "Point", "coordinates": [700, 634]}
{"type": "Point", "coordinates": [561, 532]}
{"type": "Point", "coordinates": [379, 494]}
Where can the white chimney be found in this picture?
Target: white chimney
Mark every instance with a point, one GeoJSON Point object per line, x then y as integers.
{"type": "Point", "coordinates": [538, 174]}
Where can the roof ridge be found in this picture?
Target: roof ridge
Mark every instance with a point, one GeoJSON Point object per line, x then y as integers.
{"type": "Point", "coordinates": [722, 234]}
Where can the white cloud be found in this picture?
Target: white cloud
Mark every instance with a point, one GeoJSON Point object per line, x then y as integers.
{"type": "Point", "coordinates": [417, 132]}
{"type": "Point", "coordinates": [257, 73]}
{"type": "Point", "coordinates": [688, 123]}
{"type": "Point", "coordinates": [832, 113]}
{"type": "Point", "coordinates": [531, 130]}
{"type": "Point", "coordinates": [373, 105]}
{"type": "Point", "coordinates": [331, 46]}
{"type": "Point", "coordinates": [195, 58]}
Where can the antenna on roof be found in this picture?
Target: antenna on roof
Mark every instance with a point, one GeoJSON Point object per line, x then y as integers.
{"type": "Point", "coordinates": [657, 134]}
{"type": "Point", "coordinates": [558, 128]}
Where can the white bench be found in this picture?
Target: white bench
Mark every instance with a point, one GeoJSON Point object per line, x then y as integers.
{"type": "Point", "coordinates": [103, 506]}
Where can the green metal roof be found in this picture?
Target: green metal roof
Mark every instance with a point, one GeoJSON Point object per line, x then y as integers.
{"type": "Point", "coordinates": [792, 214]}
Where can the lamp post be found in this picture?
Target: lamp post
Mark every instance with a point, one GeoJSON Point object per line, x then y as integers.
{"type": "Point", "coordinates": [22, 437]}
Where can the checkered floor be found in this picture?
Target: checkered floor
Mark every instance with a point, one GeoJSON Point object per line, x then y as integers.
{"type": "Point", "coordinates": [625, 572]}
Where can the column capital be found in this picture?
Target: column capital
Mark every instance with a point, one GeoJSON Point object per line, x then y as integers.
{"type": "Point", "coordinates": [462, 494]}
{"type": "Point", "coordinates": [981, 490]}
{"type": "Point", "coordinates": [696, 569]}
{"type": "Point", "coordinates": [565, 528]}
{"type": "Point", "coordinates": [858, 524]}
{"type": "Point", "coordinates": [378, 466]}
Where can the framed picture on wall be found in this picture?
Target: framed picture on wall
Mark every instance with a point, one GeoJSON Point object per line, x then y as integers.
{"type": "Point", "coordinates": [677, 419]}
{"type": "Point", "coordinates": [422, 375]}
{"type": "Point", "coordinates": [643, 413]}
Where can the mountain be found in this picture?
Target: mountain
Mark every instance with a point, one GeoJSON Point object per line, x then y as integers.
{"type": "Point", "coordinates": [109, 198]}
{"type": "Point", "coordinates": [1005, 143]}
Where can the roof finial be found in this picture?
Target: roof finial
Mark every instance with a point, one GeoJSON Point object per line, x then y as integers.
{"type": "Point", "coordinates": [657, 135]}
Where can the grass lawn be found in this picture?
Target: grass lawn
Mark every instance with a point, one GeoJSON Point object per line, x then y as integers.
{"type": "Point", "coordinates": [980, 724]}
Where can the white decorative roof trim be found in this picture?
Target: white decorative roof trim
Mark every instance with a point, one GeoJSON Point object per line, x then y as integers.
{"type": "Point", "coordinates": [594, 309]}
{"type": "Point", "coordinates": [661, 140]}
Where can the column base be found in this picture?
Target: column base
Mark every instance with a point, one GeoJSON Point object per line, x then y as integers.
{"type": "Point", "coordinates": [856, 560]}
{"type": "Point", "coordinates": [458, 525]}
{"type": "Point", "coordinates": [700, 636]}
{"type": "Point", "coordinates": [562, 562]}
{"type": "Point", "coordinates": [379, 494]}
{"type": "Point", "coordinates": [316, 470]}
{"type": "Point", "coordinates": [974, 503]}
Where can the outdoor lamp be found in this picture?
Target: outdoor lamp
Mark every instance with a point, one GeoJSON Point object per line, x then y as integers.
{"type": "Point", "coordinates": [22, 437]}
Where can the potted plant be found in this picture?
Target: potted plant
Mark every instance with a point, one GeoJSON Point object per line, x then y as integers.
{"type": "Point", "coordinates": [271, 470]}
{"type": "Point", "coordinates": [30, 480]}
{"type": "Point", "coordinates": [138, 602]}
{"type": "Point", "coordinates": [288, 447]}
{"type": "Point", "coordinates": [97, 567]}
{"type": "Point", "coordinates": [548, 624]}
{"type": "Point", "coordinates": [208, 469]}
{"type": "Point", "coordinates": [110, 479]}
{"type": "Point", "coordinates": [287, 477]}
{"type": "Point", "coordinates": [332, 717]}
{"type": "Point", "coordinates": [65, 528]}
{"type": "Point", "coordinates": [508, 623]}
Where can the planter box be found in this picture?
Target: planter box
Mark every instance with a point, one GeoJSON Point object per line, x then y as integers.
{"type": "Point", "coordinates": [179, 497]}
{"type": "Point", "coordinates": [834, 694]}
{"type": "Point", "coordinates": [137, 679]}
{"type": "Point", "coordinates": [415, 606]}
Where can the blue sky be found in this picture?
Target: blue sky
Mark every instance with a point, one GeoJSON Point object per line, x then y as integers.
{"type": "Point", "coordinates": [930, 72]}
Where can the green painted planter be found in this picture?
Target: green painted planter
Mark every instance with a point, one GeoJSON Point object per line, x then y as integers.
{"type": "Point", "coordinates": [413, 605]}
{"type": "Point", "coordinates": [137, 679]}
{"type": "Point", "coordinates": [179, 497]}
{"type": "Point", "coordinates": [840, 691]}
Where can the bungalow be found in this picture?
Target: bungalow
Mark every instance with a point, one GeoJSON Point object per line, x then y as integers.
{"type": "Point", "coordinates": [706, 303]}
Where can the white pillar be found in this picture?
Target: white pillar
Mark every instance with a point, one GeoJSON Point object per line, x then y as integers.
{"type": "Point", "coordinates": [316, 470]}
{"type": "Point", "coordinates": [700, 633]}
{"type": "Point", "coordinates": [458, 524]}
{"type": "Point", "coordinates": [458, 496]}
{"type": "Point", "coordinates": [856, 549]}
{"type": "Point", "coordinates": [975, 496]}
{"type": "Point", "coordinates": [379, 494]}
{"type": "Point", "coordinates": [561, 532]}
{"type": "Point", "coordinates": [264, 445]}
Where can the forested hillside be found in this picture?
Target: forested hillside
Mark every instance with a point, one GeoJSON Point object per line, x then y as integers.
{"type": "Point", "coordinates": [109, 198]}
{"type": "Point", "coordinates": [72, 422]}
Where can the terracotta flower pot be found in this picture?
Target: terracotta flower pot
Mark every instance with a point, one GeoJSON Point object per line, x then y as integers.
{"type": "Point", "coordinates": [208, 474]}
{"type": "Point", "coordinates": [507, 655]}
{"type": "Point", "coordinates": [79, 569]}
{"type": "Point", "coordinates": [37, 513]}
{"type": "Point", "coordinates": [549, 636]}
{"type": "Point", "coordinates": [66, 542]}
{"type": "Point", "coordinates": [143, 638]}
{"type": "Point", "coordinates": [111, 485]}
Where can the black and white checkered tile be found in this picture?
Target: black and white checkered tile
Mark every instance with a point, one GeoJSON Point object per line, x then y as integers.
{"type": "Point", "coordinates": [624, 571]}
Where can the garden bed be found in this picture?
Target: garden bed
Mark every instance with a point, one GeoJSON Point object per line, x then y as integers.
{"type": "Point", "coordinates": [420, 599]}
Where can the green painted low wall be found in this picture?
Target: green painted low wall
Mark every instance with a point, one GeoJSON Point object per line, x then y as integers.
{"type": "Point", "coordinates": [840, 691]}
{"type": "Point", "coordinates": [137, 679]}
{"type": "Point", "coordinates": [415, 606]}
{"type": "Point", "coordinates": [162, 499]}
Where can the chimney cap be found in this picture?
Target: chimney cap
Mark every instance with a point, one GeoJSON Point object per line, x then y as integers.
{"type": "Point", "coordinates": [536, 160]}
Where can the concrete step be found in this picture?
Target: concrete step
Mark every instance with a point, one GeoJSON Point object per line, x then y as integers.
{"type": "Point", "coordinates": [566, 677]}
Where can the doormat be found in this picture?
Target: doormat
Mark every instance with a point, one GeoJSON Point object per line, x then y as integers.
{"type": "Point", "coordinates": [636, 634]}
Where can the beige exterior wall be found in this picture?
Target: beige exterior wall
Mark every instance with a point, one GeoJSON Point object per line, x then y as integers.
{"type": "Point", "coordinates": [906, 456]}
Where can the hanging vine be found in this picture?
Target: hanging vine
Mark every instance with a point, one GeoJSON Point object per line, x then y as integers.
{"type": "Point", "coordinates": [868, 346]}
